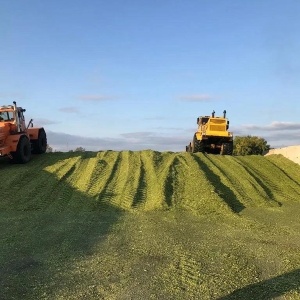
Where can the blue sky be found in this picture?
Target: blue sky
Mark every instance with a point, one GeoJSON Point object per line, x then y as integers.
{"type": "Point", "coordinates": [132, 75]}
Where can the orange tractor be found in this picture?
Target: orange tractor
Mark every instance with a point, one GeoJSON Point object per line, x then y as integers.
{"type": "Point", "coordinates": [18, 141]}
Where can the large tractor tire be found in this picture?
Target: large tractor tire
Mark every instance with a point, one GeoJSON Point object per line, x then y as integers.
{"type": "Point", "coordinates": [23, 153]}
{"type": "Point", "coordinates": [40, 145]}
{"type": "Point", "coordinates": [227, 149]}
{"type": "Point", "coordinates": [198, 145]}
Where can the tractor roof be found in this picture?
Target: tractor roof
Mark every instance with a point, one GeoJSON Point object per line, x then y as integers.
{"type": "Point", "coordinates": [5, 107]}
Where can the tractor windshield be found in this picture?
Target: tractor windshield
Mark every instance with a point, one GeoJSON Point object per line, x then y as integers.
{"type": "Point", "coordinates": [6, 116]}
{"type": "Point", "coordinates": [204, 120]}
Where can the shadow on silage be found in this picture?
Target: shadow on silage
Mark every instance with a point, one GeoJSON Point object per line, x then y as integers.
{"type": "Point", "coordinates": [280, 169]}
{"type": "Point", "coordinates": [42, 243]}
{"type": "Point", "coordinates": [260, 181]}
{"type": "Point", "coordinates": [223, 191]}
{"type": "Point", "coordinates": [268, 289]}
{"type": "Point", "coordinates": [139, 196]}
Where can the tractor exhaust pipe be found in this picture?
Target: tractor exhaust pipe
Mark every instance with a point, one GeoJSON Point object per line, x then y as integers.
{"type": "Point", "coordinates": [17, 120]}
{"type": "Point", "coordinates": [213, 114]}
{"type": "Point", "coordinates": [224, 114]}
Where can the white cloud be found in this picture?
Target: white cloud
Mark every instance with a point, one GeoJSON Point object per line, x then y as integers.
{"type": "Point", "coordinates": [275, 126]}
{"type": "Point", "coordinates": [137, 135]}
{"type": "Point", "coordinates": [43, 122]}
{"type": "Point", "coordinates": [277, 134]}
{"type": "Point", "coordinates": [126, 141]}
{"type": "Point", "coordinates": [196, 98]}
{"type": "Point", "coordinates": [282, 140]}
{"type": "Point", "coordinates": [70, 109]}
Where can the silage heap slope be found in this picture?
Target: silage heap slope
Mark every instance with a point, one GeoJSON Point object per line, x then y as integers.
{"type": "Point", "coordinates": [149, 180]}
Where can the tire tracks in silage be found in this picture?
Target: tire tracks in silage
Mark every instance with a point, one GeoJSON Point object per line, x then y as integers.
{"type": "Point", "coordinates": [165, 164]}
{"type": "Point", "coordinates": [176, 180]}
{"type": "Point", "coordinates": [114, 182]}
{"type": "Point", "coordinates": [80, 182]}
{"type": "Point", "coordinates": [238, 181]}
{"type": "Point", "coordinates": [24, 174]}
{"type": "Point", "coordinates": [17, 174]}
{"type": "Point", "coordinates": [139, 197]}
{"type": "Point", "coordinates": [123, 181]}
{"type": "Point", "coordinates": [265, 186]}
{"type": "Point", "coordinates": [129, 180]}
{"type": "Point", "coordinates": [193, 276]}
{"type": "Point", "coordinates": [149, 187]}
{"type": "Point", "coordinates": [190, 276]}
{"type": "Point", "coordinates": [19, 182]}
{"type": "Point", "coordinates": [291, 172]}
{"type": "Point", "coordinates": [171, 183]}
{"type": "Point", "coordinates": [32, 184]}
{"type": "Point", "coordinates": [153, 180]}
{"type": "Point", "coordinates": [216, 177]}
{"type": "Point", "coordinates": [196, 190]}
{"type": "Point", "coordinates": [98, 173]}
{"type": "Point", "coordinates": [62, 190]}
{"type": "Point", "coordinates": [110, 179]}
{"type": "Point", "coordinates": [102, 176]}
{"type": "Point", "coordinates": [289, 176]}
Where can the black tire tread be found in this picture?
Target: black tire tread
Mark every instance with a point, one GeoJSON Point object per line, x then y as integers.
{"type": "Point", "coordinates": [23, 153]}
{"type": "Point", "coordinates": [198, 145]}
{"type": "Point", "coordinates": [40, 145]}
{"type": "Point", "coordinates": [227, 149]}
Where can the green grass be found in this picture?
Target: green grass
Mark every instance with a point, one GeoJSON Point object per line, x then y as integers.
{"type": "Point", "coordinates": [150, 225]}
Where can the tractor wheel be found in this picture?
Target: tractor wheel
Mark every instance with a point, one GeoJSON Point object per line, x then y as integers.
{"type": "Point", "coordinates": [227, 149]}
{"type": "Point", "coordinates": [23, 153]}
{"type": "Point", "coordinates": [40, 145]}
{"type": "Point", "coordinates": [198, 145]}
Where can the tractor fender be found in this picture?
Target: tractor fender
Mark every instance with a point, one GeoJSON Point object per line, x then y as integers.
{"type": "Point", "coordinates": [33, 133]}
{"type": "Point", "coordinates": [198, 136]}
{"type": "Point", "coordinates": [12, 141]}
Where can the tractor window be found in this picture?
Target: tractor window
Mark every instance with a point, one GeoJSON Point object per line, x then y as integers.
{"type": "Point", "coordinates": [10, 116]}
{"type": "Point", "coordinates": [21, 116]}
{"type": "Point", "coordinates": [204, 120]}
{"type": "Point", "coordinates": [6, 116]}
{"type": "Point", "coordinates": [3, 116]}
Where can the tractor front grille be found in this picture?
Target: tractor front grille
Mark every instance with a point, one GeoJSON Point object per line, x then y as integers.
{"type": "Point", "coordinates": [217, 127]}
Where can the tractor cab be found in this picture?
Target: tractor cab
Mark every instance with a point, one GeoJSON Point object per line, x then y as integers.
{"type": "Point", "coordinates": [17, 140]}
{"type": "Point", "coordinates": [14, 116]}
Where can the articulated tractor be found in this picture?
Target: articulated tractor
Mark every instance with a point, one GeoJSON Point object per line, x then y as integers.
{"type": "Point", "coordinates": [18, 141]}
{"type": "Point", "coordinates": [212, 136]}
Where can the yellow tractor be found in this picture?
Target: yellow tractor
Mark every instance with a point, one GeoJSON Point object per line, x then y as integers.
{"type": "Point", "coordinates": [18, 141]}
{"type": "Point", "coordinates": [212, 136]}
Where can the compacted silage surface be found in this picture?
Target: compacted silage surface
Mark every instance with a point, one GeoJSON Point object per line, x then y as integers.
{"type": "Point", "coordinates": [150, 225]}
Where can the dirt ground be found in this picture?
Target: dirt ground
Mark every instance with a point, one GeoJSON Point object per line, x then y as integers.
{"type": "Point", "coordinates": [291, 152]}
